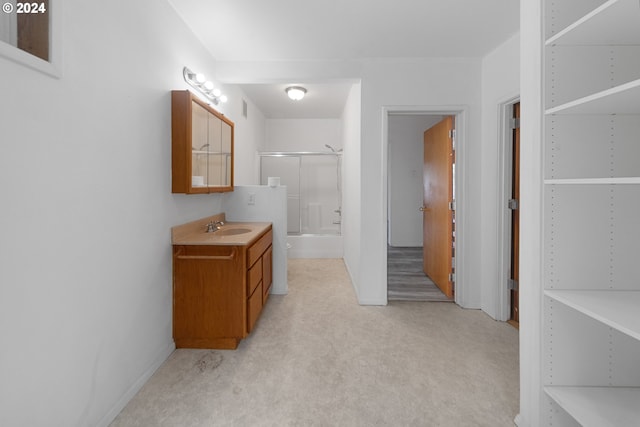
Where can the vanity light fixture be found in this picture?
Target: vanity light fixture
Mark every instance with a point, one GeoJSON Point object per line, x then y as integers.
{"type": "Point", "coordinates": [296, 92]}
{"type": "Point", "coordinates": [203, 86]}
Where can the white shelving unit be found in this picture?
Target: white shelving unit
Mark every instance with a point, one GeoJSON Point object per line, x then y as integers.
{"type": "Point", "coordinates": [598, 406]}
{"type": "Point", "coordinates": [591, 309]}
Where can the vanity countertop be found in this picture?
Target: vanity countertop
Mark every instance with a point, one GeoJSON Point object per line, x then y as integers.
{"type": "Point", "coordinates": [194, 233]}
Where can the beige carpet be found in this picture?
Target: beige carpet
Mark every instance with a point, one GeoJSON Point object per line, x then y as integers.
{"type": "Point", "coordinates": [317, 358]}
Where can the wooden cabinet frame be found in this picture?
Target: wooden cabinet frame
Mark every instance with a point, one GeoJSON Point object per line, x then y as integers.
{"type": "Point", "coordinates": [219, 291]}
{"type": "Point", "coordinates": [185, 146]}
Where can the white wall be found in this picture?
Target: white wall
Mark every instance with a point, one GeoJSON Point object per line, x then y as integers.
{"type": "Point", "coordinates": [303, 134]}
{"type": "Point", "coordinates": [439, 83]}
{"type": "Point", "coordinates": [85, 254]}
{"type": "Point", "coordinates": [531, 178]}
{"type": "Point", "coordinates": [249, 134]}
{"type": "Point", "coordinates": [405, 180]}
{"type": "Point", "coordinates": [351, 204]}
{"type": "Point", "coordinates": [500, 84]}
{"type": "Point", "coordinates": [270, 205]}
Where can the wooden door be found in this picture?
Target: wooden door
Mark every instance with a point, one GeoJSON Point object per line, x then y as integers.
{"type": "Point", "coordinates": [438, 196]}
{"type": "Point", "coordinates": [515, 216]}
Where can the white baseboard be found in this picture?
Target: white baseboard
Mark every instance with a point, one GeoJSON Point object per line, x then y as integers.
{"type": "Point", "coordinates": [518, 421]}
{"type": "Point", "coordinates": [136, 386]}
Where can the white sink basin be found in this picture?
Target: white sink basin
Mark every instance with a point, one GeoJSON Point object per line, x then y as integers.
{"type": "Point", "coordinates": [232, 231]}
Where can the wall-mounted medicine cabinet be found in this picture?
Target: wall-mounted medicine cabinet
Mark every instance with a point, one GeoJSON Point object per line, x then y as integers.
{"type": "Point", "coordinates": [201, 146]}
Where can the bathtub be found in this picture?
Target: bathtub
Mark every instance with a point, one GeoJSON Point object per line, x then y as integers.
{"type": "Point", "coordinates": [315, 246]}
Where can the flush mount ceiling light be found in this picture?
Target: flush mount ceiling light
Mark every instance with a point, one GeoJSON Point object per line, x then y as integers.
{"type": "Point", "coordinates": [296, 92]}
{"type": "Point", "coordinates": [203, 86]}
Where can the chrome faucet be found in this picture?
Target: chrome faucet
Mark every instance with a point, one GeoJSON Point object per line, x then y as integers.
{"type": "Point", "coordinates": [214, 226]}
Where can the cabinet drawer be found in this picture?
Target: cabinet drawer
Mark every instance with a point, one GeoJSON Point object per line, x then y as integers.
{"type": "Point", "coordinates": [254, 307]}
{"type": "Point", "coordinates": [258, 248]}
{"type": "Point", "coordinates": [254, 276]}
{"type": "Point", "coordinates": [206, 252]}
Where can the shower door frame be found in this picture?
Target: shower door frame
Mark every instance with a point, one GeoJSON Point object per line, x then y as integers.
{"type": "Point", "coordinates": [300, 155]}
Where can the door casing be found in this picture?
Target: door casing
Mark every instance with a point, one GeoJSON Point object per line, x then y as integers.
{"type": "Point", "coordinates": [460, 112]}
{"type": "Point", "coordinates": [505, 165]}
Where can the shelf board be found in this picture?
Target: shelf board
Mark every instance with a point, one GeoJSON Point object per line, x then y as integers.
{"type": "Point", "coordinates": [591, 181]}
{"type": "Point", "coordinates": [616, 22]}
{"type": "Point", "coordinates": [599, 406]}
{"type": "Point", "coordinates": [623, 99]}
{"type": "Point", "coordinates": [616, 309]}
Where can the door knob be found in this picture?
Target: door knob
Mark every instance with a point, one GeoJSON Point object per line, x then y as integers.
{"type": "Point", "coordinates": [424, 209]}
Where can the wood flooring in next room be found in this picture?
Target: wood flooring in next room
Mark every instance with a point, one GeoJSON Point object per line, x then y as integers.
{"type": "Point", "coordinates": [405, 279]}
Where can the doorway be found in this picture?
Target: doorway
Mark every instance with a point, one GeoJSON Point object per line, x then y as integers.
{"type": "Point", "coordinates": [509, 206]}
{"type": "Point", "coordinates": [514, 206]}
{"type": "Point", "coordinates": [405, 206]}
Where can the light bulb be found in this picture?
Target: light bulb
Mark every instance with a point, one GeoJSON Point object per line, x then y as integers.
{"type": "Point", "coordinates": [208, 85]}
{"type": "Point", "coordinates": [216, 92]}
{"type": "Point", "coordinates": [200, 78]}
{"type": "Point", "coordinates": [223, 98]}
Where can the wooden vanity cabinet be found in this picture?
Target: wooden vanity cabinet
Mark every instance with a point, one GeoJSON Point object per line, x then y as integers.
{"type": "Point", "coordinates": [219, 292]}
{"type": "Point", "coordinates": [201, 146]}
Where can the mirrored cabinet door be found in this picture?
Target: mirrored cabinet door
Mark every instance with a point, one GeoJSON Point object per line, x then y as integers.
{"type": "Point", "coordinates": [199, 145]}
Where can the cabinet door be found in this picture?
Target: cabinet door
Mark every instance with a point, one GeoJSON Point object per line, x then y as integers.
{"type": "Point", "coordinates": [215, 157]}
{"type": "Point", "coordinates": [199, 145]}
{"type": "Point", "coordinates": [219, 152]}
{"type": "Point", "coordinates": [267, 276]}
{"type": "Point", "coordinates": [254, 277]}
{"type": "Point", "coordinates": [254, 307]}
{"type": "Point", "coordinates": [209, 296]}
{"type": "Point", "coordinates": [226, 145]}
